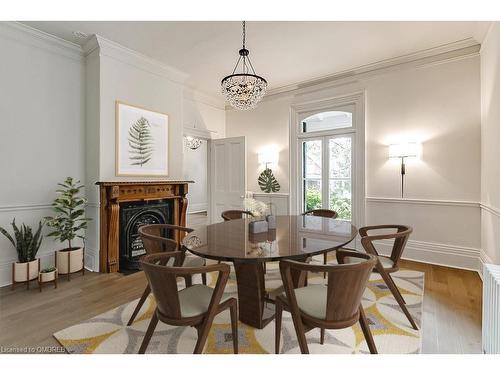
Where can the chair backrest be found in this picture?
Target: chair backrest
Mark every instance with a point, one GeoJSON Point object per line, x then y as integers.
{"type": "Point", "coordinates": [161, 237]}
{"type": "Point", "coordinates": [400, 237]}
{"type": "Point", "coordinates": [162, 279]}
{"type": "Point", "coordinates": [235, 214]}
{"type": "Point", "coordinates": [322, 212]}
{"type": "Point", "coordinates": [346, 283]}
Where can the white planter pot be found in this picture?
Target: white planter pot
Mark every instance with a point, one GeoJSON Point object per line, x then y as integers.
{"type": "Point", "coordinates": [47, 276]}
{"type": "Point", "coordinates": [21, 271]}
{"type": "Point", "coordinates": [69, 261]}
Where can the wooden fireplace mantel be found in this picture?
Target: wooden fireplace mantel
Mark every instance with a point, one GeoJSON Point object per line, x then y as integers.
{"type": "Point", "coordinates": [112, 193]}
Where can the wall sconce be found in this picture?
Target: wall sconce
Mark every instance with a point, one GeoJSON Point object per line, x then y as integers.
{"type": "Point", "coordinates": [269, 155]}
{"type": "Point", "coordinates": [402, 151]}
{"type": "Point", "coordinates": [192, 142]}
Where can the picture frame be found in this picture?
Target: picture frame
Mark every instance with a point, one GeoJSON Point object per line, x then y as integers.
{"type": "Point", "coordinates": [141, 141]}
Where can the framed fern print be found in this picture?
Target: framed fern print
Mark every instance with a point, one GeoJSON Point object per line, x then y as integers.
{"type": "Point", "coordinates": [141, 141]}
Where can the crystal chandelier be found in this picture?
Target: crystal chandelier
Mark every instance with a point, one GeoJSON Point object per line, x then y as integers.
{"type": "Point", "coordinates": [244, 90]}
{"type": "Point", "coordinates": [192, 142]}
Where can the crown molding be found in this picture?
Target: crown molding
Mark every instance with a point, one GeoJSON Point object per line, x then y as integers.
{"type": "Point", "coordinates": [444, 53]}
{"type": "Point", "coordinates": [200, 97]}
{"type": "Point", "coordinates": [133, 58]}
{"type": "Point", "coordinates": [36, 38]}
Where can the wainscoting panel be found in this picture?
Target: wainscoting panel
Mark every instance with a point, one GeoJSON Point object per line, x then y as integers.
{"type": "Point", "coordinates": [444, 232]}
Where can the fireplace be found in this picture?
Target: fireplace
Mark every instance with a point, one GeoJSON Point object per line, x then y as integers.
{"type": "Point", "coordinates": [132, 216]}
{"type": "Point", "coordinates": [133, 203]}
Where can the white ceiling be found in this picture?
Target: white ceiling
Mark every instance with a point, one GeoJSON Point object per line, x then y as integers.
{"type": "Point", "coordinates": [282, 52]}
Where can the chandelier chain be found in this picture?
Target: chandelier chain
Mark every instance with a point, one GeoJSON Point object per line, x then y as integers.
{"type": "Point", "coordinates": [244, 35]}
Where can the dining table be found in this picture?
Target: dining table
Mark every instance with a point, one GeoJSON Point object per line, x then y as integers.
{"type": "Point", "coordinates": [296, 237]}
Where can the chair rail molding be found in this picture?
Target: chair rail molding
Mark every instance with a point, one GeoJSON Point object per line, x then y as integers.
{"type": "Point", "coordinates": [435, 202]}
{"type": "Point", "coordinates": [490, 209]}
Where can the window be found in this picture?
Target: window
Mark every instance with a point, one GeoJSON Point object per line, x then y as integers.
{"type": "Point", "coordinates": [326, 157]}
{"type": "Point", "coordinates": [327, 121]}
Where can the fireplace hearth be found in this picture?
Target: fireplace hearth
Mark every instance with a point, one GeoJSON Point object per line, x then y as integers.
{"type": "Point", "coordinates": [132, 216]}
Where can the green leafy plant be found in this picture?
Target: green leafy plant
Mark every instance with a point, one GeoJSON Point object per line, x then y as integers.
{"type": "Point", "coordinates": [26, 243]}
{"type": "Point", "coordinates": [140, 142]}
{"type": "Point", "coordinates": [340, 205]}
{"type": "Point", "coordinates": [48, 269]}
{"type": "Point", "coordinates": [268, 182]}
{"type": "Point", "coordinates": [70, 219]}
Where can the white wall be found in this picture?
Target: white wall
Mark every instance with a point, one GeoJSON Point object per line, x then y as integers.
{"type": "Point", "coordinates": [490, 138]}
{"type": "Point", "coordinates": [42, 130]}
{"type": "Point", "coordinates": [437, 104]}
{"type": "Point", "coordinates": [195, 169]}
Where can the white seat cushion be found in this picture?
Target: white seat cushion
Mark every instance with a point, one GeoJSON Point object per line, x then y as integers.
{"type": "Point", "coordinates": [195, 299]}
{"type": "Point", "coordinates": [312, 300]}
{"type": "Point", "coordinates": [193, 261]}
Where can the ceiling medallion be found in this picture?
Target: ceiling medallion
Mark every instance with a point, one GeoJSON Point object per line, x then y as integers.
{"type": "Point", "coordinates": [244, 90]}
{"type": "Point", "coordinates": [192, 142]}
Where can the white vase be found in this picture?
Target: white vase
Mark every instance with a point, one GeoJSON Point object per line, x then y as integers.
{"type": "Point", "coordinates": [74, 257]}
{"type": "Point", "coordinates": [47, 276]}
{"type": "Point", "coordinates": [21, 271]}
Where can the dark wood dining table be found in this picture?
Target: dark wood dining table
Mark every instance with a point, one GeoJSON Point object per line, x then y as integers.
{"type": "Point", "coordinates": [295, 237]}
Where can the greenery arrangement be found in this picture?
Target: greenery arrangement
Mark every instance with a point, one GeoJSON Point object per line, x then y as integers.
{"type": "Point", "coordinates": [140, 142]}
{"type": "Point", "coordinates": [26, 243]}
{"type": "Point", "coordinates": [267, 181]}
{"type": "Point", "coordinates": [48, 269]}
{"type": "Point", "coordinates": [70, 213]}
{"type": "Point", "coordinates": [340, 205]}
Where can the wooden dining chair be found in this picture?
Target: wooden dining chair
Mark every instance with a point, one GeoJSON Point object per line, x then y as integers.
{"type": "Point", "coordinates": [155, 240]}
{"type": "Point", "coordinates": [323, 213]}
{"type": "Point", "coordinates": [235, 214]}
{"type": "Point", "coordinates": [195, 306]}
{"type": "Point", "coordinates": [336, 305]}
{"type": "Point", "coordinates": [388, 264]}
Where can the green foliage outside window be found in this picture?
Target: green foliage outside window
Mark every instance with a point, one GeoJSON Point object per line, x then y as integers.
{"type": "Point", "coordinates": [341, 205]}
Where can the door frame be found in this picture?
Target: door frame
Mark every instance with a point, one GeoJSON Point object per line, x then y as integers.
{"type": "Point", "coordinates": [298, 110]}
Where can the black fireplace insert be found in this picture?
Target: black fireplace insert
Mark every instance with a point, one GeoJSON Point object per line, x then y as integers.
{"type": "Point", "coordinates": [132, 216]}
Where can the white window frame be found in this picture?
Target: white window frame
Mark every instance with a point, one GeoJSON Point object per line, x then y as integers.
{"type": "Point", "coordinates": [299, 112]}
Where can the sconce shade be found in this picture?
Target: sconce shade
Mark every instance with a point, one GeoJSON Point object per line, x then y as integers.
{"type": "Point", "coordinates": [269, 156]}
{"type": "Point", "coordinates": [403, 150]}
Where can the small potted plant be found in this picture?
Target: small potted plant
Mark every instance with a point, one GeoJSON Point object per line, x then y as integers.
{"type": "Point", "coordinates": [68, 224]}
{"type": "Point", "coordinates": [26, 244]}
{"type": "Point", "coordinates": [47, 275]}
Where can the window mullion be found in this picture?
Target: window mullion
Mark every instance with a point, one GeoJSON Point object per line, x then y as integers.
{"type": "Point", "coordinates": [325, 180]}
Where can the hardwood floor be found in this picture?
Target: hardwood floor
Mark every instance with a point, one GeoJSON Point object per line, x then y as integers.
{"type": "Point", "coordinates": [451, 321]}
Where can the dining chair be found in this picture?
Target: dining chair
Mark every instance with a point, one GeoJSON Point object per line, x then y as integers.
{"type": "Point", "coordinates": [155, 240]}
{"type": "Point", "coordinates": [388, 264]}
{"type": "Point", "coordinates": [323, 213]}
{"type": "Point", "coordinates": [195, 306]}
{"type": "Point", "coordinates": [336, 305]}
{"type": "Point", "coordinates": [235, 214]}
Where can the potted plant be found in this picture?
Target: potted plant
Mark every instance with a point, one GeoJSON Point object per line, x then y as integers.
{"type": "Point", "coordinates": [47, 275]}
{"type": "Point", "coordinates": [26, 244]}
{"type": "Point", "coordinates": [68, 224]}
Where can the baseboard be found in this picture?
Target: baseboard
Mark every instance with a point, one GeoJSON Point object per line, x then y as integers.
{"type": "Point", "coordinates": [439, 254]}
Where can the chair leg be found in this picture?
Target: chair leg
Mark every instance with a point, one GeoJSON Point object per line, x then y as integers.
{"type": "Point", "coordinates": [204, 278]}
{"type": "Point", "coordinates": [203, 334]}
{"type": "Point", "coordinates": [149, 333]}
{"type": "Point", "coordinates": [144, 296]}
{"type": "Point", "coordinates": [366, 331]}
{"type": "Point", "coordinates": [234, 325]}
{"type": "Point", "coordinates": [322, 336]}
{"type": "Point", "coordinates": [188, 280]}
{"type": "Point", "coordinates": [400, 295]}
{"type": "Point", "coordinates": [299, 330]}
{"type": "Point", "coordinates": [264, 265]}
{"type": "Point", "coordinates": [397, 295]}
{"type": "Point", "coordinates": [278, 314]}
{"type": "Point", "coordinates": [325, 261]}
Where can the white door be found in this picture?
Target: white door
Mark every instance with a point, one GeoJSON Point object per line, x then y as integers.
{"type": "Point", "coordinates": [228, 176]}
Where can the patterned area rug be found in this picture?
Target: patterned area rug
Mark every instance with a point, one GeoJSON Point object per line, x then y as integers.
{"type": "Point", "coordinates": [108, 333]}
